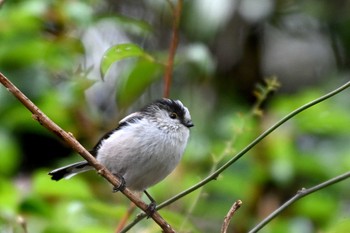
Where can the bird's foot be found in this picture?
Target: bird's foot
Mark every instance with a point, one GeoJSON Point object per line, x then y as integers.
{"type": "Point", "coordinates": [152, 207]}
{"type": "Point", "coordinates": [122, 184]}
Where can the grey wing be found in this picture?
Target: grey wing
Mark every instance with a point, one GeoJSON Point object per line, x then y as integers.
{"type": "Point", "coordinates": [132, 118]}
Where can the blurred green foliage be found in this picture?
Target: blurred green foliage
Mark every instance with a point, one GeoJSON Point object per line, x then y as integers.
{"type": "Point", "coordinates": [131, 86]}
{"type": "Point", "coordinates": [41, 52]}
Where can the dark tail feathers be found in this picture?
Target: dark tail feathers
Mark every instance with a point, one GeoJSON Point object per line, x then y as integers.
{"type": "Point", "coordinates": [70, 170]}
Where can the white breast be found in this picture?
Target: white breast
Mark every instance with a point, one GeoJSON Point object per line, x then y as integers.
{"type": "Point", "coordinates": [143, 153]}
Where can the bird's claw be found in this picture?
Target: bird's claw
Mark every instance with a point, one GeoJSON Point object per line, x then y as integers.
{"type": "Point", "coordinates": [122, 184]}
{"type": "Point", "coordinates": [152, 207]}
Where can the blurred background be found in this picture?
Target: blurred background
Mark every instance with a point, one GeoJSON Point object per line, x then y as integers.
{"type": "Point", "coordinates": [52, 51]}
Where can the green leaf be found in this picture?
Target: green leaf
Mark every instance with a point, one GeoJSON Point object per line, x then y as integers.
{"type": "Point", "coordinates": [134, 84]}
{"type": "Point", "coordinates": [120, 52]}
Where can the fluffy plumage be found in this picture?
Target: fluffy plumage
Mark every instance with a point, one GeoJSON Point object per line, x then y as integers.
{"type": "Point", "coordinates": [144, 148]}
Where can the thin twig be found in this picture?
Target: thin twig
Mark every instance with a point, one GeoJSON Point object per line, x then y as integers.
{"type": "Point", "coordinates": [300, 194]}
{"type": "Point", "coordinates": [215, 174]}
{"type": "Point", "coordinates": [45, 121]}
{"type": "Point", "coordinates": [168, 76]}
{"type": "Point", "coordinates": [235, 206]}
{"type": "Point", "coordinates": [125, 218]}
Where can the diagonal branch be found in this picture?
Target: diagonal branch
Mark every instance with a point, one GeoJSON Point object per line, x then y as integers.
{"type": "Point", "coordinates": [240, 154]}
{"type": "Point", "coordinates": [300, 194]}
{"type": "Point", "coordinates": [45, 121]}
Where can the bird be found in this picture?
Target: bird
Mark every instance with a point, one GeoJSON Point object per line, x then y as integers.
{"type": "Point", "coordinates": [143, 149]}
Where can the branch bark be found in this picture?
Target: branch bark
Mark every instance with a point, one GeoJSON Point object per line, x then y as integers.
{"type": "Point", "coordinates": [45, 121]}
{"type": "Point", "coordinates": [168, 76]}
{"type": "Point", "coordinates": [236, 205]}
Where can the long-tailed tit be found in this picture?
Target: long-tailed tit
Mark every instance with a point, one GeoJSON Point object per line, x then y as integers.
{"type": "Point", "coordinates": [144, 148]}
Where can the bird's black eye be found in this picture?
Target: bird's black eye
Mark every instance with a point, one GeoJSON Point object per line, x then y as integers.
{"type": "Point", "coordinates": [173, 115]}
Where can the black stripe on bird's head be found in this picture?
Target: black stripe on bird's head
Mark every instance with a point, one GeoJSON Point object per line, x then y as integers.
{"type": "Point", "coordinates": [174, 108]}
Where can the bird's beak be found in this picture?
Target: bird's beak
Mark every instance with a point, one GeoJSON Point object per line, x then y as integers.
{"type": "Point", "coordinates": [188, 124]}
